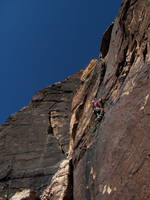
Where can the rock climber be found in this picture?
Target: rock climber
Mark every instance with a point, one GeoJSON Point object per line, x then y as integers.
{"type": "Point", "coordinates": [98, 107]}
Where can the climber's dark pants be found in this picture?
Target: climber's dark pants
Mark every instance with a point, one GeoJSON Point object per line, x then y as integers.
{"type": "Point", "coordinates": [99, 112]}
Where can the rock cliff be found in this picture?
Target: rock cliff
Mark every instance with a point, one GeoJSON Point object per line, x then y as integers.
{"type": "Point", "coordinates": [55, 147]}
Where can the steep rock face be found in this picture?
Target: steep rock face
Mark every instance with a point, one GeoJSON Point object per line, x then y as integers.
{"type": "Point", "coordinates": [111, 158]}
{"type": "Point", "coordinates": [56, 143]}
{"type": "Point", "coordinates": [61, 185]}
{"type": "Point", "coordinates": [35, 140]}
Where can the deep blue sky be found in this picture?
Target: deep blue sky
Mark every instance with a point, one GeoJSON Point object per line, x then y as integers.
{"type": "Point", "coordinates": [44, 41]}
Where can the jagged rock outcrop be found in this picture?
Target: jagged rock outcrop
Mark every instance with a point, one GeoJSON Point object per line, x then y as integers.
{"type": "Point", "coordinates": [55, 146]}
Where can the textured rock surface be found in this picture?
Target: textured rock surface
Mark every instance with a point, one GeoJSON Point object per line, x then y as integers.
{"type": "Point", "coordinates": [107, 160]}
{"type": "Point", "coordinates": [25, 195]}
{"type": "Point", "coordinates": [61, 184]}
{"type": "Point", "coordinates": [35, 140]}
{"type": "Point", "coordinates": [111, 159]}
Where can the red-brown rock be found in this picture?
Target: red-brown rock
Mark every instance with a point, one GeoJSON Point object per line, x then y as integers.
{"type": "Point", "coordinates": [55, 145]}
{"type": "Point", "coordinates": [112, 158]}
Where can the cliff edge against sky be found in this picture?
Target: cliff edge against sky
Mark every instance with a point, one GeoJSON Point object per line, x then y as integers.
{"type": "Point", "coordinates": [54, 149]}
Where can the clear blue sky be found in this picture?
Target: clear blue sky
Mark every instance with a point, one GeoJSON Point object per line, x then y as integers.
{"type": "Point", "coordinates": [44, 41]}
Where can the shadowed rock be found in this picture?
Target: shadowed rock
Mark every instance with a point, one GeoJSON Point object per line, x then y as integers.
{"type": "Point", "coordinates": [56, 147]}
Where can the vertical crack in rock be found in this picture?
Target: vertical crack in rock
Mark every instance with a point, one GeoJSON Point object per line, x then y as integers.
{"type": "Point", "coordinates": [68, 195]}
{"type": "Point", "coordinates": [51, 129]}
{"type": "Point", "coordinates": [106, 41]}
{"type": "Point", "coordinates": [66, 150]}
{"type": "Point", "coordinates": [112, 163]}
{"type": "Point", "coordinates": [145, 52]}
{"type": "Point", "coordinates": [82, 113]}
{"type": "Point", "coordinates": [61, 186]}
{"type": "Point", "coordinates": [36, 140]}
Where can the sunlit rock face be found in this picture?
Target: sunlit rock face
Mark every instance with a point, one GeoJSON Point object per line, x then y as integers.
{"type": "Point", "coordinates": [111, 158]}
{"type": "Point", "coordinates": [25, 195]}
{"type": "Point", "coordinates": [57, 148]}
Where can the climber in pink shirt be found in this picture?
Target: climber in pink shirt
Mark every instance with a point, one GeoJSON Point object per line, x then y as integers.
{"type": "Point", "coordinates": [98, 108]}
